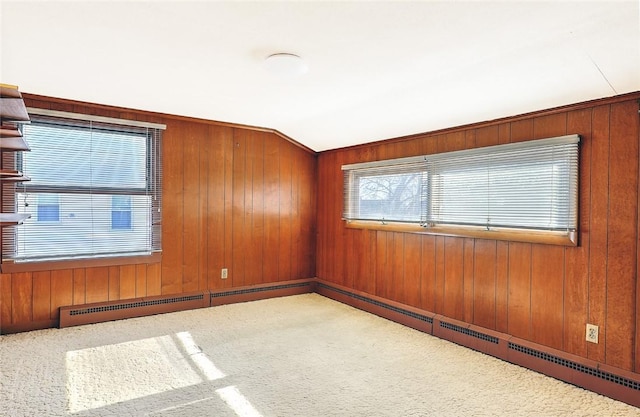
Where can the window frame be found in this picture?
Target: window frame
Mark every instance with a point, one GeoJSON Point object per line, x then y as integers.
{"type": "Point", "coordinates": [152, 189]}
{"type": "Point", "coordinates": [565, 237]}
{"type": "Point", "coordinates": [57, 220]}
{"type": "Point", "coordinates": [127, 209]}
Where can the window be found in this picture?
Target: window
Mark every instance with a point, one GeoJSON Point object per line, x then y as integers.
{"type": "Point", "coordinates": [121, 212]}
{"type": "Point", "coordinates": [387, 193]}
{"type": "Point", "coordinates": [522, 191]}
{"type": "Point", "coordinates": [91, 179]}
{"type": "Point", "coordinates": [48, 208]}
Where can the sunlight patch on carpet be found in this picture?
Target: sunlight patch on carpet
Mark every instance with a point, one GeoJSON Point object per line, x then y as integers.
{"type": "Point", "coordinates": [109, 374]}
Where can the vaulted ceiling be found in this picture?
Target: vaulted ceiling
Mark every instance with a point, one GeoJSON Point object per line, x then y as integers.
{"type": "Point", "coordinates": [377, 70]}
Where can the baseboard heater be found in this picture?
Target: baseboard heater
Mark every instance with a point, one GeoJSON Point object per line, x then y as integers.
{"type": "Point", "coordinates": [397, 312]}
{"type": "Point", "coordinates": [135, 307]}
{"type": "Point", "coordinates": [607, 380]}
{"type": "Point", "coordinates": [258, 292]}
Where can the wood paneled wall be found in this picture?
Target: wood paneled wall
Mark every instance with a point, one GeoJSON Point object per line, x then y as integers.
{"type": "Point", "coordinates": [542, 293]}
{"type": "Point", "coordinates": [233, 197]}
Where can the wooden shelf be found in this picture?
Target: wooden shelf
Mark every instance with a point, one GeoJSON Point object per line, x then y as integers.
{"type": "Point", "coordinates": [13, 176]}
{"type": "Point", "coordinates": [8, 132]}
{"type": "Point", "coordinates": [9, 91]}
{"type": "Point", "coordinates": [12, 219]}
{"type": "Point", "coordinates": [14, 144]}
{"type": "Point", "coordinates": [13, 109]}
{"type": "Point", "coordinates": [11, 104]}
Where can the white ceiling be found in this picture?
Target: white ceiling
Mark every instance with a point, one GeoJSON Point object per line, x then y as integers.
{"type": "Point", "coordinates": [377, 70]}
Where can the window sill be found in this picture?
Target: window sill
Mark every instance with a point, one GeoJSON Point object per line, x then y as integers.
{"type": "Point", "coordinates": [9, 267]}
{"type": "Point", "coordinates": [512, 235]}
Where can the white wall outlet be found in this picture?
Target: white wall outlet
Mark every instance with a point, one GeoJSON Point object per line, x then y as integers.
{"type": "Point", "coordinates": [592, 333]}
{"type": "Point", "coordinates": [224, 273]}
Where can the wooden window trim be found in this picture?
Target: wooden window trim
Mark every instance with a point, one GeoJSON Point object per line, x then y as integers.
{"type": "Point", "coordinates": [513, 235]}
{"type": "Point", "coordinates": [9, 267]}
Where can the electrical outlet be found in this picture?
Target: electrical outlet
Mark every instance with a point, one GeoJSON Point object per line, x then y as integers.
{"type": "Point", "coordinates": [592, 333]}
{"type": "Point", "coordinates": [224, 273]}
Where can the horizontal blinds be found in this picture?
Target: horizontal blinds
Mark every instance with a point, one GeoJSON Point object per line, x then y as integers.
{"type": "Point", "coordinates": [95, 190]}
{"type": "Point", "coordinates": [528, 185]}
{"type": "Point", "coordinates": [532, 186]}
{"type": "Point", "coordinates": [387, 192]}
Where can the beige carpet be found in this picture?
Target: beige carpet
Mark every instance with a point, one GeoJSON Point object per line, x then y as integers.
{"type": "Point", "coordinates": [296, 356]}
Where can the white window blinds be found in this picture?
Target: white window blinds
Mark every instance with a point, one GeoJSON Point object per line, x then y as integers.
{"type": "Point", "coordinates": [95, 190]}
{"type": "Point", "coordinates": [391, 191]}
{"type": "Point", "coordinates": [529, 185]}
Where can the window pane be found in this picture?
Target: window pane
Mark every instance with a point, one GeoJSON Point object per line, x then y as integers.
{"type": "Point", "coordinates": [393, 197]}
{"type": "Point", "coordinates": [121, 212]}
{"type": "Point", "coordinates": [95, 191]}
{"type": "Point", "coordinates": [95, 158]}
{"type": "Point", "coordinates": [48, 208]}
{"type": "Point", "coordinates": [84, 228]}
{"type": "Point", "coordinates": [528, 185]}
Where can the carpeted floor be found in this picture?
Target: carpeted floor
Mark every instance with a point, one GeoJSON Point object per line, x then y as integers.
{"type": "Point", "coordinates": [295, 356]}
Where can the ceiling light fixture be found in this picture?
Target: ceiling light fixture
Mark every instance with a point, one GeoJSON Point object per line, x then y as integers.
{"type": "Point", "coordinates": [287, 65]}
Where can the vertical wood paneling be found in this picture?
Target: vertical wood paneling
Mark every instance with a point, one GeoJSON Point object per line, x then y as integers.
{"type": "Point", "coordinates": [6, 300]}
{"type": "Point", "coordinates": [239, 241]}
{"type": "Point", "coordinates": [154, 282]}
{"type": "Point", "coordinates": [453, 278]}
{"type": "Point", "coordinates": [41, 295]}
{"type": "Point", "coordinates": [141, 280]}
{"type": "Point", "coordinates": [522, 130]}
{"type": "Point", "coordinates": [97, 284]}
{"type": "Point", "coordinates": [172, 207]}
{"type": "Point", "coordinates": [192, 219]}
{"type": "Point", "coordinates": [61, 290]}
{"type": "Point", "coordinates": [541, 293]}
{"type": "Point", "coordinates": [576, 296]}
{"type": "Point", "coordinates": [519, 303]}
{"type": "Point", "coordinates": [469, 280]}
{"type": "Point", "coordinates": [502, 286]}
{"type": "Point", "coordinates": [114, 283]}
{"type": "Point", "coordinates": [439, 293]}
{"type": "Point", "coordinates": [79, 286]}
{"type": "Point", "coordinates": [412, 270]}
{"type": "Point", "coordinates": [256, 226]}
{"type": "Point", "coordinates": [484, 289]}
{"type": "Point", "coordinates": [127, 281]}
{"type": "Point", "coordinates": [219, 197]}
{"type": "Point", "coordinates": [550, 126]}
{"type": "Point", "coordinates": [487, 136]}
{"type": "Point", "coordinates": [22, 297]}
{"type": "Point", "coordinates": [547, 288]}
{"type": "Point", "coordinates": [204, 159]}
{"type": "Point", "coordinates": [383, 270]}
{"type": "Point", "coordinates": [397, 268]}
{"type": "Point", "coordinates": [286, 178]}
{"type": "Point", "coordinates": [352, 269]}
{"type": "Point", "coordinates": [296, 222]}
{"type": "Point", "coordinates": [428, 273]}
{"type": "Point", "coordinates": [271, 197]}
{"type": "Point", "coordinates": [622, 239]}
{"type": "Point", "coordinates": [598, 233]}
{"type": "Point", "coordinates": [232, 197]}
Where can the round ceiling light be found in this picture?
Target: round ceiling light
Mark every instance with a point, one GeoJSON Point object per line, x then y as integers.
{"type": "Point", "coordinates": [285, 64]}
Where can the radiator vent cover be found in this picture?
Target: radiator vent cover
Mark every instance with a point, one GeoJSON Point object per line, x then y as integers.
{"type": "Point", "coordinates": [407, 313]}
{"type": "Point", "coordinates": [469, 332]}
{"type": "Point", "coordinates": [136, 304]}
{"type": "Point", "coordinates": [259, 289]}
{"type": "Point", "coordinates": [616, 379]}
{"type": "Point", "coordinates": [124, 309]}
